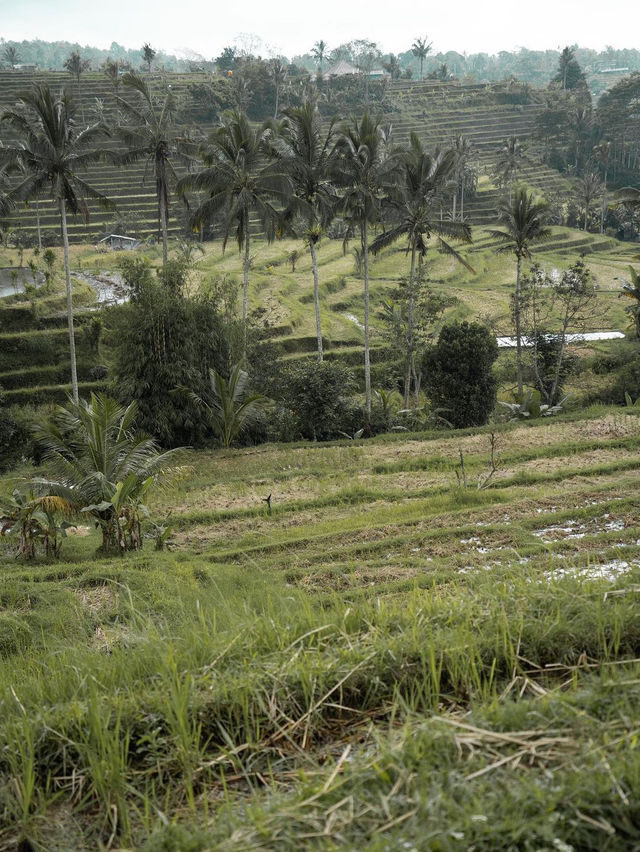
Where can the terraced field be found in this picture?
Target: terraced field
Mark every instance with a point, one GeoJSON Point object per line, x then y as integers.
{"type": "Point", "coordinates": [386, 659]}
{"type": "Point", "coordinates": [435, 111]}
{"type": "Point", "coordinates": [33, 347]}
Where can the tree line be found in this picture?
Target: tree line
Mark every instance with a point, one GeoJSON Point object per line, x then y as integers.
{"type": "Point", "coordinates": [297, 176]}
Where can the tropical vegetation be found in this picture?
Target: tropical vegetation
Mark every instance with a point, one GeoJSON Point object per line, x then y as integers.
{"type": "Point", "coordinates": [258, 591]}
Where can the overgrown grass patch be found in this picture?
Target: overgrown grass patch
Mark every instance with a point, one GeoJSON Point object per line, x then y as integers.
{"type": "Point", "coordinates": [380, 662]}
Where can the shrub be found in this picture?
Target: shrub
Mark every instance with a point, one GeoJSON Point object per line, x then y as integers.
{"type": "Point", "coordinates": [458, 376]}
{"type": "Point", "coordinates": [318, 394]}
{"type": "Point", "coordinates": [164, 340]}
{"type": "Point", "coordinates": [548, 351]}
{"type": "Point", "coordinates": [17, 443]}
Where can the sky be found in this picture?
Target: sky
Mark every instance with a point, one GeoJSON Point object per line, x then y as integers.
{"type": "Point", "coordinates": [290, 27]}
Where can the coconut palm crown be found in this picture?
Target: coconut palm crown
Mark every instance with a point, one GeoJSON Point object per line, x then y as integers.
{"type": "Point", "coordinates": [415, 200]}
{"type": "Point", "coordinates": [237, 180]}
{"type": "Point", "coordinates": [524, 224]}
{"type": "Point", "coordinates": [305, 150]}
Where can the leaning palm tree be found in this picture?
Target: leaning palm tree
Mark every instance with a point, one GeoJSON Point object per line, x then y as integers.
{"type": "Point", "coordinates": [305, 150]}
{"type": "Point", "coordinates": [101, 466]}
{"type": "Point", "coordinates": [148, 132]}
{"type": "Point", "coordinates": [524, 224]}
{"type": "Point", "coordinates": [238, 181]}
{"type": "Point", "coordinates": [49, 153]}
{"type": "Point", "coordinates": [420, 48]}
{"type": "Point", "coordinates": [362, 167]}
{"type": "Point", "coordinates": [415, 199]}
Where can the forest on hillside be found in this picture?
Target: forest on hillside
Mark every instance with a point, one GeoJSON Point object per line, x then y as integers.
{"type": "Point", "coordinates": [530, 66]}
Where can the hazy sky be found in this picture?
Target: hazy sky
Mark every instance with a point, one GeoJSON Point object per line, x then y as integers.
{"type": "Point", "coordinates": [290, 27]}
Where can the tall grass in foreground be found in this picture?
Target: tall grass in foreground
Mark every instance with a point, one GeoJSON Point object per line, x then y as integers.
{"type": "Point", "coordinates": [178, 711]}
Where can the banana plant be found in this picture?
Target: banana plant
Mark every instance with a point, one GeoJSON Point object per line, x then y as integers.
{"type": "Point", "coordinates": [32, 520]}
{"type": "Point", "coordinates": [100, 465]}
{"type": "Point", "coordinates": [119, 517]}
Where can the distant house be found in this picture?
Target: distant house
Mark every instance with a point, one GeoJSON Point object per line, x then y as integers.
{"type": "Point", "coordinates": [116, 242]}
{"type": "Point", "coordinates": [25, 66]}
{"type": "Point", "coordinates": [342, 68]}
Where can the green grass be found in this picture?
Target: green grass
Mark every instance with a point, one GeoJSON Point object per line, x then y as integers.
{"type": "Point", "coordinates": [386, 660]}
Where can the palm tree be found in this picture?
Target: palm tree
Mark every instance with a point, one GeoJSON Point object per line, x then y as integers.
{"type": "Point", "coordinates": [587, 189]}
{"type": "Point", "coordinates": [111, 70]}
{"type": "Point", "coordinates": [462, 148]}
{"type": "Point", "coordinates": [50, 153]}
{"type": "Point", "coordinates": [278, 73]}
{"type": "Point", "coordinates": [603, 155]}
{"type": "Point", "coordinates": [237, 181]}
{"type": "Point", "coordinates": [392, 65]}
{"type": "Point", "coordinates": [305, 151]}
{"type": "Point", "coordinates": [76, 66]}
{"type": "Point", "coordinates": [524, 222]}
{"type": "Point", "coordinates": [101, 467]}
{"type": "Point", "coordinates": [148, 133]}
{"type": "Point", "coordinates": [361, 169]}
{"type": "Point", "coordinates": [11, 54]}
{"type": "Point", "coordinates": [510, 158]}
{"type": "Point", "coordinates": [319, 52]}
{"type": "Point", "coordinates": [420, 48]}
{"type": "Point", "coordinates": [148, 55]}
{"type": "Point", "coordinates": [422, 182]}
{"type": "Point", "coordinates": [230, 409]}
{"type": "Point", "coordinates": [632, 291]}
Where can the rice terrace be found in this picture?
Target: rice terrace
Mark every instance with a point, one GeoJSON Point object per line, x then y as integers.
{"type": "Point", "coordinates": [319, 450]}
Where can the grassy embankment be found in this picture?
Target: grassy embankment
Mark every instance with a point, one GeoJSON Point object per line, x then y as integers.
{"type": "Point", "coordinates": [386, 660]}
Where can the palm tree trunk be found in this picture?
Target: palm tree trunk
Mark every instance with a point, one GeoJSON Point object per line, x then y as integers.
{"type": "Point", "coordinates": [67, 275]}
{"type": "Point", "coordinates": [410, 330]}
{"type": "Point", "coordinates": [163, 206]}
{"type": "Point", "coordinates": [165, 235]}
{"type": "Point", "coordinates": [39, 231]}
{"type": "Point", "coordinates": [367, 354]}
{"type": "Point", "coordinates": [245, 284]}
{"type": "Point", "coordinates": [316, 295]}
{"type": "Point", "coordinates": [516, 311]}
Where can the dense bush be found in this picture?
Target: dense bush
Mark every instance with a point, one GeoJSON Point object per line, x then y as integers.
{"type": "Point", "coordinates": [318, 394]}
{"type": "Point", "coordinates": [458, 376]}
{"type": "Point", "coordinates": [45, 347]}
{"type": "Point", "coordinates": [546, 354]}
{"type": "Point", "coordinates": [617, 354]}
{"type": "Point", "coordinates": [163, 341]}
{"type": "Point", "coordinates": [16, 437]}
{"type": "Point", "coordinates": [625, 380]}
